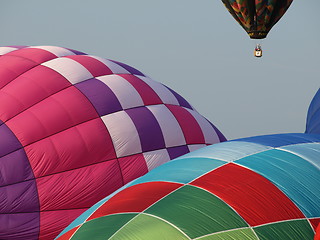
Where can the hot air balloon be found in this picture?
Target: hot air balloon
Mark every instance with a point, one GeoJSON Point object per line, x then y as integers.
{"type": "Point", "coordinates": [74, 128]}
{"type": "Point", "coordinates": [257, 17]}
{"type": "Point", "coordinates": [264, 187]}
{"type": "Point", "coordinates": [313, 117]}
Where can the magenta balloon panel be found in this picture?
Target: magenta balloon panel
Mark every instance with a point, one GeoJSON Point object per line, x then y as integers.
{"type": "Point", "coordinates": [74, 128]}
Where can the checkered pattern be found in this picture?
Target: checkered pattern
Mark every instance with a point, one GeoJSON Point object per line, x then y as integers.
{"type": "Point", "coordinates": [80, 127]}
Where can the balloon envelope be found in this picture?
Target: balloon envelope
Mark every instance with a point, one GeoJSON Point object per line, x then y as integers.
{"type": "Point", "coordinates": [74, 128]}
{"type": "Point", "coordinates": [317, 236]}
{"type": "Point", "coordinates": [264, 187]}
{"type": "Point", "coordinates": [313, 117]}
{"type": "Point", "coordinates": [257, 17]}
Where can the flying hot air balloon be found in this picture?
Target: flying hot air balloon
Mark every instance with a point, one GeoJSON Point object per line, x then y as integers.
{"type": "Point", "coordinates": [257, 17]}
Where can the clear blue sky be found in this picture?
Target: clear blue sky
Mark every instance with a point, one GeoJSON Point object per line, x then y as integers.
{"type": "Point", "coordinates": [194, 47]}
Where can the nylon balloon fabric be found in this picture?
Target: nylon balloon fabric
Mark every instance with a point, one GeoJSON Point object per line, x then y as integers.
{"type": "Point", "coordinates": [317, 236]}
{"type": "Point", "coordinates": [258, 188]}
{"type": "Point", "coordinates": [257, 17]}
{"type": "Point", "coordinates": [74, 128]}
{"type": "Point", "coordinates": [313, 123]}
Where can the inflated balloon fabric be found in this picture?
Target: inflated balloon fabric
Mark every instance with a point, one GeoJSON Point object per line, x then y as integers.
{"type": "Point", "coordinates": [259, 188]}
{"type": "Point", "coordinates": [74, 128]}
{"type": "Point", "coordinates": [313, 117]}
{"type": "Point", "coordinates": [257, 17]}
{"type": "Point", "coordinates": [317, 236]}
